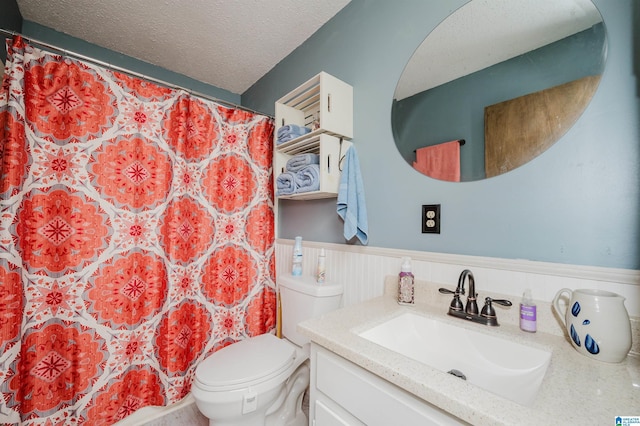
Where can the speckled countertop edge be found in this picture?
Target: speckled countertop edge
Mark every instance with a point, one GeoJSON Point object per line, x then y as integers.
{"type": "Point", "coordinates": [576, 389]}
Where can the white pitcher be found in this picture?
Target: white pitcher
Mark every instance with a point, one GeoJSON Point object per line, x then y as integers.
{"type": "Point", "coordinates": [597, 322]}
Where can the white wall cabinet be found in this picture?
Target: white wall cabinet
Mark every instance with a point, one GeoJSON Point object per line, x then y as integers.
{"type": "Point", "coordinates": [330, 150]}
{"type": "Point", "coordinates": [343, 393]}
{"type": "Point", "coordinates": [325, 105]}
{"type": "Point", "coordinates": [323, 98]}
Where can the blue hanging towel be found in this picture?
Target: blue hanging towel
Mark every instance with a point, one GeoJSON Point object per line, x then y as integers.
{"type": "Point", "coordinates": [351, 206]}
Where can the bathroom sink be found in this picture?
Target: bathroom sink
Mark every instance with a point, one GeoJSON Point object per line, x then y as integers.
{"type": "Point", "coordinates": [509, 369]}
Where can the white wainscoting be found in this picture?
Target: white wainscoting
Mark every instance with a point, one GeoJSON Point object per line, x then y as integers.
{"type": "Point", "coordinates": [362, 270]}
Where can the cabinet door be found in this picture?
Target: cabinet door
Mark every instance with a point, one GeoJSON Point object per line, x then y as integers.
{"type": "Point", "coordinates": [325, 416]}
{"type": "Point", "coordinates": [369, 398]}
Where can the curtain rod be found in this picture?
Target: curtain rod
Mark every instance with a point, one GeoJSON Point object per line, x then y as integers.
{"type": "Point", "coordinates": [94, 61]}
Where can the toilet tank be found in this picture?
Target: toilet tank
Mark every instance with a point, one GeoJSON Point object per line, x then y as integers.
{"type": "Point", "coordinates": [301, 298]}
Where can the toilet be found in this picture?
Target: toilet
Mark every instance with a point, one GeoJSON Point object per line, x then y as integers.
{"type": "Point", "coordinates": [260, 381]}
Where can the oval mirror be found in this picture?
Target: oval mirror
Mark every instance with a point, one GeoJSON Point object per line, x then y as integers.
{"type": "Point", "coordinates": [496, 84]}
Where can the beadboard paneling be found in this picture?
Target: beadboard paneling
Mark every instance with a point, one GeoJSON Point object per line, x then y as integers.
{"type": "Point", "coordinates": [362, 270]}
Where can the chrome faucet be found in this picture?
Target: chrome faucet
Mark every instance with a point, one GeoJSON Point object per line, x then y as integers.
{"type": "Point", "coordinates": [470, 312]}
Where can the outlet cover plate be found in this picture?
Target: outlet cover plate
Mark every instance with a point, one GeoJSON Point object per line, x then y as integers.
{"type": "Point", "coordinates": [431, 219]}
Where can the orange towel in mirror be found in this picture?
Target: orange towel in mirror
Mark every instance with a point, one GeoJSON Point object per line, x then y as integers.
{"type": "Point", "coordinates": [440, 161]}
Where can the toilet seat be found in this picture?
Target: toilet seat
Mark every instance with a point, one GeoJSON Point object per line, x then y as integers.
{"type": "Point", "coordinates": [246, 363]}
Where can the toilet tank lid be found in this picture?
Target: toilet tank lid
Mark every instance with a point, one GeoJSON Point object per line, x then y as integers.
{"type": "Point", "coordinates": [308, 285]}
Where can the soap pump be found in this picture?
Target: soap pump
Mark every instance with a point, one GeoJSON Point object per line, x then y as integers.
{"type": "Point", "coordinates": [405, 283]}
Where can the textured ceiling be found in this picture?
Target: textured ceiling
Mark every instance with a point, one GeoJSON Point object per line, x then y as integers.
{"type": "Point", "coordinates": [229, 44]}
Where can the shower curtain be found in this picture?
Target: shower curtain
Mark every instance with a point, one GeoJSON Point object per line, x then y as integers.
{"type": "Point", "coordinates": [136, 238]}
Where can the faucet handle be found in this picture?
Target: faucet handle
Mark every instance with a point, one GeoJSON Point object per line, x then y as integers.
{"type": "Point", "coordinates": [447, 291]}
{"type": "Point", "coordinates": [488, 311]}
{"type": "Point", "coordinates": [456, 303]}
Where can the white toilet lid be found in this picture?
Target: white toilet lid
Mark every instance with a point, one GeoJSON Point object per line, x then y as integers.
{"type": "Point", "coordinates": [246, 362]}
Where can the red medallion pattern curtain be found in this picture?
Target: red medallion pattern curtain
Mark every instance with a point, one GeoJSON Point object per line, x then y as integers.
{"type": "Point", "coordinates": [136, 238]}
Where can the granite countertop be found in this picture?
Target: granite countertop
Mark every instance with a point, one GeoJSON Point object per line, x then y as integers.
{"type": "Point", "coordinates": [576, 389]}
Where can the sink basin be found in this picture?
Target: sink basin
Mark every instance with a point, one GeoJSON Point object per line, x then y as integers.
{"type": "Point", "coordinates": [509, 369]}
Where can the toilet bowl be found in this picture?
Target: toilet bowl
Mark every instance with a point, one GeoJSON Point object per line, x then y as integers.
{"type": "Point", "coordinates": [241, 383]}
{"type": "Point", "coordinates": [260, 381]}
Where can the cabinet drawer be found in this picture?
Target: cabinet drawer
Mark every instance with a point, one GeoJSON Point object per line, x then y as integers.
{"type": "Point", "coordinates": [369, 398]}
{"type": "Point", "coordinates": [325, 416]}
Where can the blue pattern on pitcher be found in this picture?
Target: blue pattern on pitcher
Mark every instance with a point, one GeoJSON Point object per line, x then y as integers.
{"type": "Point", "coordinates": [575, 309]}
{"type": "Point", "coordinates": [575, 336]}
{"type": "Point", "coordinates": [591, 345]}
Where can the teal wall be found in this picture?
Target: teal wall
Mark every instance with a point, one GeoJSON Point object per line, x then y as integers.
{"type": "Point", "coordinates": [455, 110]}
{"type": "Point", "coordinates": [48, 35]}
{"type": "Point", "coordinates": [10, 19]}
{"type": "Point", "coordinates": [577, 203]}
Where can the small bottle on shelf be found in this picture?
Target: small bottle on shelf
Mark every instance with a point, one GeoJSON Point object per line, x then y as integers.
{"type": "Point", "coordinates": [296, 269]}
{"type": "Point", "coordinates": [321, 271]}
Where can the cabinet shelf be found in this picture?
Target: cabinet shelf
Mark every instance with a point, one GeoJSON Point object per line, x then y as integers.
{"type": "Point", "coordinates": [310, 195]}
{"type": "Point", "coordinates": [330, 150]}
{"type": "Point", "coordinates": [307, 143]}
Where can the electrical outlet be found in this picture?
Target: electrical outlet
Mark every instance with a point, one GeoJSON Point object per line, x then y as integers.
{"type": "Point", "coordinates": [431, 219]}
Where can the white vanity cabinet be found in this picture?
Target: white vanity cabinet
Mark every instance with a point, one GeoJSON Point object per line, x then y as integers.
{"type": "Point", "coordinates": [343, 393]}
{"type": "Point", "coordinates": [325, 105]}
